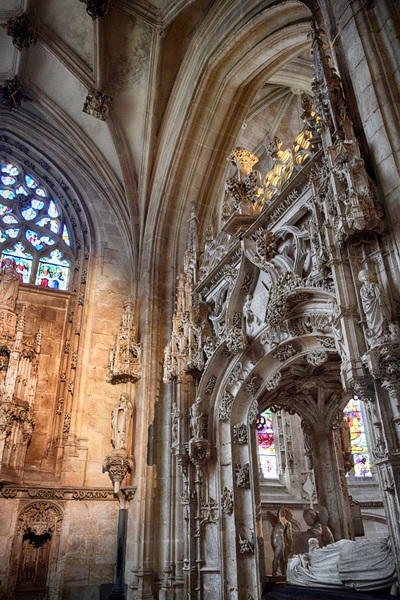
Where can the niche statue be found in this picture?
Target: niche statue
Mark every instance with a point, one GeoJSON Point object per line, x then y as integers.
{"type": "Point", "coordinates": [375, 305]}
{"type": "Point", "coordinates": [121, 423]}
{"type": "Point", "coordinates": [281, 538]}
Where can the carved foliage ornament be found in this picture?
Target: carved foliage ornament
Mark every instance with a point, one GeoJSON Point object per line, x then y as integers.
{"type": "Point", "coordinates": [12, 96]}
{"type": "Point", "coordinates": [97, 105]}
{"type": "Point", "coordinates": [22, 31]}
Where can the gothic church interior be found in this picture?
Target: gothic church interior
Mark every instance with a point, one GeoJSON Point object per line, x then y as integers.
{"type": "Point", "coordinates": [199, 290]}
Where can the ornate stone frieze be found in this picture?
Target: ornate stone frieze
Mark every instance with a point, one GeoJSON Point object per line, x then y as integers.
{"type": "Point", "coordinates": [240, 435]}
{"type": "Point", "coordinates": [309, 323]}
{"type": "Point", "coordinates": [227, 501]}
{"type": "Point", "coordinates": [242, 476]}
{"type": "Point", "coordinates": [210, 385]}
{"type": "Point", "coordinates": [125, 362]}
{"type": "Point", "coordinates": [272, 382]}
{"type": "Point", "coordinates": [254, 411]}
{"type": "Point", "coordinates": [55, 493]}
{"type": "Point", "coordinates": [317, 357]}
{"type": "Point", "coordinates": [235, 339]}
{"type": "Point", "coordinates": [22, 31]}
{"type": "Point", "coordinates": [253, 385]}
{"type": "Point", "coordinates": [285, 351]}
{"type": "Point", "coordinates": [225, 406]}
{"type": "Point", "coordinates": [97, 105]}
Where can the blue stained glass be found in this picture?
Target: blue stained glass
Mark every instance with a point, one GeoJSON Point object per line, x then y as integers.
{"type": "Point", "coordinates": [21, 190]}
{"type": "Point", "coordinates": [10, 219]}
{"type": "Point", "coordinates": [43, 222]}
{"type": "Point", "coordinates": [54, 226]}
{"type": "Point", "coordinates": [7, 194]}
{"type": "Point", "coordinates": [4, 209]}
{"type": "Point", "coordinates": [3, 236]}
{"type": "Point", "coordinates": [11, 232]}
{"type": "Point", "coordinates": [37, 204]}
{"type": "Point", "coordinates": [28, 214]}
{"type": "Point", "coordinates": [30, 182]}
{"type": "Point", "coordinates": [7, 180]}
{"type": "Point", "coordinates": [10, 169]}
{"type": "Point", "coordinates": [41, 192]}
{"type": "Point", "coordinates": [47, 240]}
{"type": "Point", "coordinates": [34, 239]}
{"type": "Point", "coordinates": [53, 210]}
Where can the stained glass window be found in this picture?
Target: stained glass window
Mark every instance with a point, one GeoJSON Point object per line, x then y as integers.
{"type": "Point", "coordinates": [33, 229]}
{"type": "Point", "coordinates": [266, 445]}
{"type": "Point", "coordinates": [359, 448]}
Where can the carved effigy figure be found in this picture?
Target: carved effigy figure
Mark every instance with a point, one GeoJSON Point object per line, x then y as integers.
{"type": "Point", "coordinates": [121, 422]}
{"type": "Point", "coordinates": [9, 283]}
{"type": "Point", "coordinates": [366, 564]}
{"type": "Point", "coordinates": [375, 305]}
{"type": "Point", "coordinates": [281, 539]}
{"type": "Point", "coordinates": [318, 525]}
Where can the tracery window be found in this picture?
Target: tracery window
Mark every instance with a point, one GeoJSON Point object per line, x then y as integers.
{"type": "Point", "coordinates": [359, 448]}
{"type": "Point", "coordinates": [33, 229]}
{"type": "Point", "coordinates": [266, 445]}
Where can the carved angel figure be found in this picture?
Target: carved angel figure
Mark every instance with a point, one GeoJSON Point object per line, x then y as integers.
{"type": "Point", "coordinates": [281, 538]}
{"type": "Point", "coordinates": [318, 525]}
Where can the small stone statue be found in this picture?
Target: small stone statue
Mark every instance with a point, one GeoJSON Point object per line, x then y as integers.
{"type": "Point", "coordinates": [281, 538]}
{"type": "Point", "coordinates": [376, 306]}
{"type": "Point", "coordinates": [196, 419]}
{"type": "Point", "coordinates": [9, 283]}
{"type": "Point", "coordinates": [121, 423]}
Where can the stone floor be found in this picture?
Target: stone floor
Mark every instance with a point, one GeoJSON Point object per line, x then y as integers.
{"type": "Point", "coordinates": [283, 591]}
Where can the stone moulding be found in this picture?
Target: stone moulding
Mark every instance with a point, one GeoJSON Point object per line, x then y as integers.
{"type": "Point", "coordinates": [25, 493]}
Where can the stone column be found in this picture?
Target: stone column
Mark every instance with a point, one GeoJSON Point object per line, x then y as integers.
{"type": "Point", "coordinates": [330, 481]}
